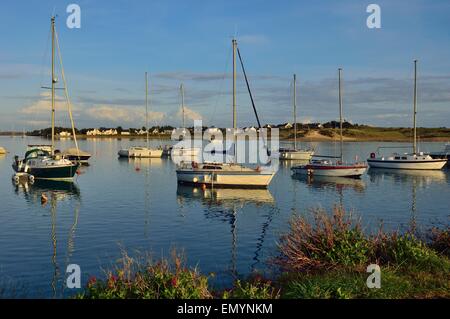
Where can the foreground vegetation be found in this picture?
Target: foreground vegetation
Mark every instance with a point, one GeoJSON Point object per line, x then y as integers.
{"type": "Point", "coordinates": [322, 256]}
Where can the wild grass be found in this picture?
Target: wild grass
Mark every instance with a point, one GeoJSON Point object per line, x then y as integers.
{"type": "Point", "coordinates": [322, 255]}
{"type": "Point", "coordinates": [327, 258]}
{"type": "Point", "coordinates": [331, 240]}
{"type": "Point", "coordinates": [165, 279]}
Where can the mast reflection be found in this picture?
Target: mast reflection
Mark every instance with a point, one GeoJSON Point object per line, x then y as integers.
{"type": "Point", "coordinates": [47, 194]}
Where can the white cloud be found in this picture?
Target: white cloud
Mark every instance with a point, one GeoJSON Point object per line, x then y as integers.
{"type": "Point", "coordinates": [43, 105]}
{"type": "Point", "coordinates": [189, 114]}
{"type": "Point", "coordinates": [118, 114]}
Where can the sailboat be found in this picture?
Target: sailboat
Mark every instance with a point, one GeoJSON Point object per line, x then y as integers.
{"type": "Point", "coordinates": [327, 167]}
{"type": "Point", "coordinates": [212, 174]}
{"type": "Point", "coordinates": [182, 150]}
{"type": "Point", "coordinates": [414, 160]}
{"type": "Point", "coordinates": [295, 154]}
{"type": "Point", "coordinates": [41, 163]}
{"type": "Point", "coordinates": [445, 154]}
{"type": "Point", "coordinates": [141, 151]}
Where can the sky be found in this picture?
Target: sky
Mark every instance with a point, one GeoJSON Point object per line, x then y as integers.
{"type": "Point", "coordinates": [189, 42]}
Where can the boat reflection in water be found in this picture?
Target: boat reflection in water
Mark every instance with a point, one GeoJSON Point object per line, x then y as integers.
{"type": "Point", "coordinates": [409, 178]}
{"type": "Point", "coordinates": [48, 193]}
{"type": "Point", "coordinates": [141, 162]}
{"type": "Point", "coordinates": [333, 182]}
{"type": "Point", "coordinates": [224, 197]}
{"type": "Point", "coordinates": [226, 204]}
{"type": "Point", "coordinates": [423, 177]}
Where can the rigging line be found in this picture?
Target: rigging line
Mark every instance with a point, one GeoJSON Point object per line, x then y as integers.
{"type": "Point", "coordinates": [66, 92]}
{"type": "Point", "coordinates": [248, 88]}
{"type": "Point", "coordinates": [221, 86]}
{"type": "Point", "coordinates": [251, 98]}
{"type": "Point", "coordinates": [41, 75]}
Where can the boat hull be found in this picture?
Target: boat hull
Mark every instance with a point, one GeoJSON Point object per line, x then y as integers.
{"type": "Point", "coordinates": [296, 155]}
{"type": "Point", "coordinates": [145, 153]}
{"type": "Point", "coordinates": [416, 165]}
{"type": "Point", "coordinates": [335, 171]}
{"type": "Point", "coordinates": [225, 179]}
{"type": "Point", "coordinates": [75, 158]}
{"type": "Point", "coordinates": [58, 173]}
{"type": "Point", "coordinates": [185, 151]}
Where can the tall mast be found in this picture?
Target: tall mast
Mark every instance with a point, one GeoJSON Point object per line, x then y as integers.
{"type": "Point", "coordinates": [234, 43]}
{"type": "Point", "coordinates": [295, 112]}
{"type": "Point", "coordinates": [234, 84]}
{"type": "Point", "coordinates": [53, 85]}
{"type": "Point", "coordinates": [340, 111]}
{"type": "Point", "coordinates": [415, 108]}
{"type": "Point", "coordinates": [182, 103]}
{"type": "Point", "coordinates": [146, 105]}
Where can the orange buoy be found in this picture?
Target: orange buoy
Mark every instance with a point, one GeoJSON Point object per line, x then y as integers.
{"type": "Point", "coordinates": [44, 198]}
{"type": "Point", "coordinates": [137, 169]}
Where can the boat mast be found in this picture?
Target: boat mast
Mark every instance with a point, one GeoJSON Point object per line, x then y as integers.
{"type": "Point", "coordinates": [340, 111]}
{"type": "Point", "coordinates": [146, 105]}
{"type": "Point", "coordinates": [295, 112]}
{"type": "Point", "coordinates": [234, 44]}
{"type": "Point", "coordinates": [53, 85]}
{"type": "Point", "coordinates": [182, 103]}
{"type": "Point", "coordinates": [415, 108]}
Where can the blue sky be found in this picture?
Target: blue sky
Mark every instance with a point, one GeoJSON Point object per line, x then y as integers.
{"type": "Point", "coordinates": [189, 42]}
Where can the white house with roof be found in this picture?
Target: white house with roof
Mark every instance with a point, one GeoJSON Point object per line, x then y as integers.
{"type": "Point", "coordinates": [93, 132]}
{"type": "Point", "coordinates": [142, 132]}
{"type": "Point", "coordinates": [65, 134]}
{"type": "Point", "coordinates": [109, 132]}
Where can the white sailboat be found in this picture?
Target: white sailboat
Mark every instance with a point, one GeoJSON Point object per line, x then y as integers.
{"type": "Point", "coordinates": [445, 154]}
{"type": "Point", "coordinates": [414, 160]}
{"type": "Point", "coordinates": [225, 174]}
{"type": "Point", "coordinates": [327, 167]}
{"type": "Point", "coordinates": [142, 151]}
{"type": "Point", "coordinates": [294, 153]}
{"type": "Point", "coordinates": [46, 163]}
{"type": "Point", "coordinates": [184, 150]}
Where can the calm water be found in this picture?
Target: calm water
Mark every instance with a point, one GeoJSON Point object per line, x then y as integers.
{"type": "Point", "coordinates": [137, 205]}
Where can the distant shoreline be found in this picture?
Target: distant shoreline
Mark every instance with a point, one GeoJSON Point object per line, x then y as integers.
{"type": "Point", "coordinates": [354, 134]}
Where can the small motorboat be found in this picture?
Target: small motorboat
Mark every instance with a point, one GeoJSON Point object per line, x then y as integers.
{"type": "Point", "coordinates": [75, 155]}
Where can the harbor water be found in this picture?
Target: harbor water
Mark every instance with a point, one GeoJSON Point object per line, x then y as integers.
{"type": "Point", "coordinates": [136, 205]}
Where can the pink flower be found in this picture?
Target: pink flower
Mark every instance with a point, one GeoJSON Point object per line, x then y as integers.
{"type": "Point", "coordinates": [92, 280]}
{"type": "Point", "coordinates": [174, 281]}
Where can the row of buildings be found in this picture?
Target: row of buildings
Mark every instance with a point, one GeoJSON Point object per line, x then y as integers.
{"type": "Point", "coordinates": [113, 132]}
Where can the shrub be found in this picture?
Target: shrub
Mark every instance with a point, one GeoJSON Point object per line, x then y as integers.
{"type": "Point", "coordinates": [440, 240]}
{"type": "Point", "coordinates": [255, 288]}
{"type": "Point", "coordinates": [406, 251]}
{"type": "Point", "coordinates": [149, 281]}
{"type": "Point", "coordinates": [331, 241]}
